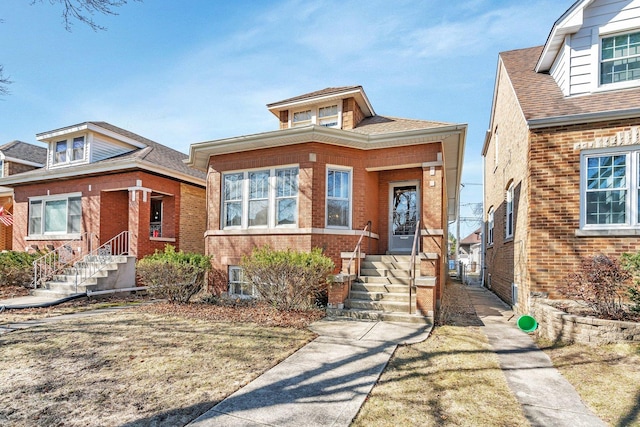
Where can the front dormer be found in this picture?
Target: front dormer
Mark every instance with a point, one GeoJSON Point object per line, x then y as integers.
{"type": "Point", "coordinates": [340, 108]}
{"type": "Point", "coordinates": [594, 47]}
{"type": "Point", "coordinates": [85, 143]}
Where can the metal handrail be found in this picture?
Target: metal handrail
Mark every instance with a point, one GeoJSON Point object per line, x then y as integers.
{"type": "Point", "coordinates": [96, 260]}
{"type": "Point", "coordinates": [412, 264]}
{"type": "Point", "coordinates": [54, 262]}
{"type": "Point", "coordinates": [357, 250]}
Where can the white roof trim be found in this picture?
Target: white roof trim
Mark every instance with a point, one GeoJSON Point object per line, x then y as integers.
{"type": "Point", "coordinates": [89, 127]}
{"type": "Point", "coordinates": [569, 23]}
{"type": "Point", "coordinates": [21, 161]}
{"type": "Point", "coordinates": [358, 93]}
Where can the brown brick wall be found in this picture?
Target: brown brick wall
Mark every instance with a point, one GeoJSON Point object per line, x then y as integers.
{"type": "Point", "coordinates": [351, 114]}
{"type": "Point", "coordinates": [506, 258]}
{"type": "Point", "coordinates": [193, 221]}
{"type": "Point", "coordinates": [554, 248]}
{"type": "Point", "coordinates": [12, 168]}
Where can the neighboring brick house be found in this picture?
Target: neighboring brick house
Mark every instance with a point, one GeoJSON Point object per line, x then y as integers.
{"type": "Point", "coordinates": [332, 167]}
{"type": "Point", "coordinates": [15, 157]}
{"type": "Point", "coordinates": [562, 153]}
{"type": "Point", "coordinates": [101, 180]}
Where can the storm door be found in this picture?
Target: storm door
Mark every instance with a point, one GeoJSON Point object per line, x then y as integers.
{"type": "Point", "coordinates": [404, 213]}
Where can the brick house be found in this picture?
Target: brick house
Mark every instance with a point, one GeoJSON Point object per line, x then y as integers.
{"type": "Point", "coordinates": [99, 181]}
{"type": "Point", "coordinates": [562, 153]}
{"type": "Point", "coordinates": [15, 157]}
{"type": "Point", "coordinates": [333, 167]}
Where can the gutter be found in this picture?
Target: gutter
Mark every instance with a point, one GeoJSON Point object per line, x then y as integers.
{"type": "Point", "coordinates": [583, 118]}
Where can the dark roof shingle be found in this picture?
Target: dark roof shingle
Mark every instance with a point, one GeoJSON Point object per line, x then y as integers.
{"type": "Point", "coordinates": [25, 151]}
{"type": "Point", "coordinates": [541, 98]}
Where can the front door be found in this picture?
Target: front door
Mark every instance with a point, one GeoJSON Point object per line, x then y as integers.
{"type": "Point", "coordinates": [403, 212]}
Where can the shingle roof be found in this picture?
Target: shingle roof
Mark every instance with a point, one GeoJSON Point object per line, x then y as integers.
{"type": "Point", "coordinates": [541, 98]}
{"type": "Point", "coordinates": [472, 238]}
{"type": "Point", "coordinates": [24, 151]}
{"type": "Point", "coordinates": [375, 125]}
{"type": "Point", "coordinates": [311, 95]}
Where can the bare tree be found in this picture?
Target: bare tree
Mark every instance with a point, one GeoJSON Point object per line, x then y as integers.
{"type": "Point", "coordinates": [74, 10]}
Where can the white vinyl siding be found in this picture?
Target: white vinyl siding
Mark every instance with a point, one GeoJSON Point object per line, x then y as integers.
{"type": "Point", "coordinates": [102, 149]}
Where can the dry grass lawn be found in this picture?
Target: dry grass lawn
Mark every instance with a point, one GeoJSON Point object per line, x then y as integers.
{"type": "Point", "coordinates": [132, 368]}
{"type": "Point", "coordinates": [451, 379]}
{"type": "Point", "coordinates": [606, 377]}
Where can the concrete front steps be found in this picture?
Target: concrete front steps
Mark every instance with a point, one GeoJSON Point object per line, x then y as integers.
{"type": "Point", "coordinates": [107, 272]}
{"type": "Point", "coordinates": [382, 292]}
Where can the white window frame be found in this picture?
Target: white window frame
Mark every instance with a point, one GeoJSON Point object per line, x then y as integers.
{"type": "Point", "coordinates": [315, 115]}
{"type": "Point", "coordinates": [69, 152]}
{"type": "Point", "coordinates": [601, 61]}
{"type": "Point", "coordinates": [231, 270]}
{"type": "Point", "coordinates": [632, 187]}
{"type": "Point", "coordinates": [2, 167]}
{"type": "Point", "coordinates": [490, 226]}
{"type": "Point", "coordinates": [273, 199]}
{"type": "Point", "coordinates": [509, 215]}
{"type": "Point", "coordinates": [349, 199]}
{"type": "Point", "coordinates": [156, 225]}
{"type": "Point", "coordinates": [43, 201]}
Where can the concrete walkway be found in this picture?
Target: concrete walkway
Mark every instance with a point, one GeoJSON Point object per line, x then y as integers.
{"type": "Point", "coordinates": [322, 384]}
{"type": "Point", "coordinates": [547, 398]}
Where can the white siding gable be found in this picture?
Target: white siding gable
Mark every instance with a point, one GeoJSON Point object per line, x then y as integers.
{"type": "Point", "coordinates": [102, 148]}
{"type": "Point", "coordinates": [576, 67]}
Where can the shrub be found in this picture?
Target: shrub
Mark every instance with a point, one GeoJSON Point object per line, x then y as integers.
{"type": "Point", "coordinates": [601, 283]}
{"type": "Point", "coordinates": [631, 263]}
{"type": "Point", "coordinates": [288, 280]}
{"type": "Point", "coordinates": [16, 268]}
{"type": "Point", "coordinates": [176, 276]}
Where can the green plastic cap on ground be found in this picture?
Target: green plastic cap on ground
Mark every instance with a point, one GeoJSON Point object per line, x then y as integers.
{"type": "Point", "coordinates": [527, 323]}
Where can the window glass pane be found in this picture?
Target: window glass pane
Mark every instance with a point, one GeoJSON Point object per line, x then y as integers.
{"type": "Point", "coordinates": [328, 111]}
{"type": "Point", "coordinates": [75, 215]}
{"type": "Point", "coordinates": [78, 148]}
{"type": "Point", "coordinates": [606, 207]}
{"type": "Point", "coordinates": [287, 183]}
{"type": "Point", "coordinates": [233, 214]}
{"type": "Point", "coordinates": [35, 217]}
{"type": "Point", "coordinates": [233, 186]}
{"type": "Point", "coordinates": [302, 116]}
{"type": "Point", "coordinates": [286, 211]}
{"type": "Point", "coordinates": [55, 216]}
{"type": "Point", "coordinates": [338, 213]}
{"type": "Point", "coordinates": [259, 185]}
{"type": "Point", "coordinates": [60, 155]}
{"type": "Point", "coordinates": [258, 212]}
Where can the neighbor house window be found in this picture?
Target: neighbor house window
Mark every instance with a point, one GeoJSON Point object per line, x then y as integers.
{"type": "Point", "coordinates": [301, 118]}
{"type": "Point", "coordinates": [509, 212]}
{"type": "Point", "coordinates": [620, 58]}
{"type": "Point", "coordinates": [55, 215]}
{"type": "Point", "coordinates": [71, 150]}
{"type": "Point", "coordinates": [490, 224]}
{"type": "Point", "coordinates": [328, 116]}
{"type": "Point", "coordinates": [1, 168]}
{"type": "Point", "coordinates": [237, 284]}
{"type": "Point", "coordinates": [155, 223]}
{"type": "Point", "coordinates": [338, 197]}
{"type": "Point", "coordinates": [261, 198]}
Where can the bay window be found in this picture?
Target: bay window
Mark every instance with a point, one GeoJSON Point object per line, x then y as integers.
{"type": "Point", "coordinates": [264, 198]}
{"type": "Point", "coordinates": [338, 197]}
{"type": "Point", "coordinates": [55, 215]}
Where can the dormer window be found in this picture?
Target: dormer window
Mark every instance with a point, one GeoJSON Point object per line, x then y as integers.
{"type": "Point", "coordinates": [302, 118]}
{"type": "Point", "coordinates": [620, 58]}
{"type": "Point", "coordinates": [328, 116]}
{"type": "Point", "coordinates": [69, 150]}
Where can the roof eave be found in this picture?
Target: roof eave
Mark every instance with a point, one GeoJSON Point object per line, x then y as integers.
{"type": "Point", "coordinates": [357, 92]}
{"type": "Point", "coordinates": [88, 126]}
{"type": "Point", "coordinates": [91, 169]}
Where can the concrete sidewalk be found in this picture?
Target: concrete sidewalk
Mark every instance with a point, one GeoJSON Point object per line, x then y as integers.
{"type": "Point", "coordinates": [322, 384]}
{"type": "Point", "coordinates": [547, 398]}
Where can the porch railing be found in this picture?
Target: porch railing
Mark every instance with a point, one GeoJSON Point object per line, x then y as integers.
{"type": "Point", "coordinates": [56, 261]}
{"type": "Point", "coordinates": [357, 251]}
{"type": "Point", "coordinates": [412, 265]}
{"type": "Point", "coordinates": [99, 258]}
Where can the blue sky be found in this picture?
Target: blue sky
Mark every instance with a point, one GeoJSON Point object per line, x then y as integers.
{"type": "Point", "coordinates": [180, 72]}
